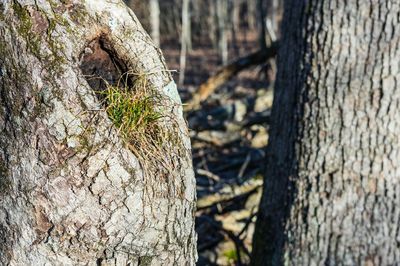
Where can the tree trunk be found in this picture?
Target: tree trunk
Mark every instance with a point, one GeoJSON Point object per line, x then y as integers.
{"type": "Point", "coordinates": [261, 23]}
{"type": "Point", "coordinates": [331, 192]}
{"type": "Point", "coordinates": [273, 14]}
{"type": "Point", "coordinates": [154, 9]}
{"type": "Point", "coordinates": [72, 189]}
{"type": "Point", "coordinates": [185, 40]}
{"type": "Point", "coordinates": [236, 5]}
{"type": "Point", "coordinates": [251, 13]}
{"type": "Point", "coordinates": [222, 9]}
{"type": "Point", "coordinates": [212, 21]}
{"type": "Point", "coordinates": [235, 23]}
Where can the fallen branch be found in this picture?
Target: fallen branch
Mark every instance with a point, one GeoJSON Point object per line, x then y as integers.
{"type": "Point", "coordinates": [227, 72]}
{"type": "Point", "coordinates": [228, 193]}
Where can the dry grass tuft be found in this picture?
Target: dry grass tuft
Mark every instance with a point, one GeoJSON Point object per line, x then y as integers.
{"type": "Point", "coordinates": [137, 109]}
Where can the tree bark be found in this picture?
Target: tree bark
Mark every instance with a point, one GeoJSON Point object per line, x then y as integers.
{"type": "Point", "coordinates": [222, 10]}
{"type": "Point", "coordinates": [185, 40]}
{"type": "Point", "coordinates": [251, 13]}
{"type": "Point", "coordinates": [71, 191]}
{"type": "Point", "coordinates": [234, 11]}
{"type": "Point", "coordinates": [236, 8]}
{"type": "Point", "coordinates": [154, 8]}
{"type": "Point", "coordinates": [274, 14]}
{"type": "Point", "coordinates": [331, 192]}
{"type": "Point", "coordinates": [212, 22]}
{"type": "Point", "coordinates": [261, 22]}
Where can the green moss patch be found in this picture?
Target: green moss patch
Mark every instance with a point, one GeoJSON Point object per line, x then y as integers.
{"type": "Point", "coordinates": [36, 33]}
{"type": "Point", "coordinates": [24, 28]}
{"type": "Point", "coordinates": [133, 110]}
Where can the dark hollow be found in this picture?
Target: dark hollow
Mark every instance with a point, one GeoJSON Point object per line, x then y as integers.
{"type": "Point", "coordinates": [100, 64]}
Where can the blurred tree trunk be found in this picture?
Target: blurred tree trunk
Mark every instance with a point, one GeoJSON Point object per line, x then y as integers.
{"type": "Point", "coordinates": [197, 12]}
{"type": "Point", "coordinates": [187, 23]}
{"type": "Point", "coordinates": [154, 9]}
{"type": "Point", "coordinates": [331, 192]}
{"type": "Point", "coordinates": [236, 13]}
{"type": "Point", "coordinates": [251, 13]}
{"type": "Point", "coordinates": [212, 21]}
{"type": "Point", "coordinates": [274, 11]}
{"type": "Point", "coordinates": [71, 192]}
{"type": "Point", "coordinates": [235, 23]}
{"type": "Point", "coordinates": [222, 16]}
{"type": "Point", "coordinates": [186, 43]}
{"type": "Point", "coordinates": [261, 23]}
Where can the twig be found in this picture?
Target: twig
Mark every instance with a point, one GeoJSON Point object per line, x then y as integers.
{"type": "Point", "coordinates": [244, 166]}
{"type": "Point", "coordinates": [228, 193]}
{"type": "Point", "coordinates": [208, 174]}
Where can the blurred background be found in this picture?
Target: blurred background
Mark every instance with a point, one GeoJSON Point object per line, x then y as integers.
{"type": "Point", "coordinates": [222, 54]}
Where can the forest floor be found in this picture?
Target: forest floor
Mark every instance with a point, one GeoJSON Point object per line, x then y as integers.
{"type": "Point", "coordinates": [229, 136]}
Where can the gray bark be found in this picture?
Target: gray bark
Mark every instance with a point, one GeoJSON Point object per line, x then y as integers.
{"type": "Point", "coordinates": [235, 22]}
{"type": "Point", "coordinates": [197, 11]}
{"type": "Point", "coordinates": [185, 40]}
{"type": "Point", "coordinates": [71, 191]}
{"type": "Point", "coordinates": [154, 9]}
{"type": "Point", "coordinates": [331, 192]}
{"type": "Point", "coordinates": [212, 21]}
{"type": "Point", "coordinates": [273, 14]}
{"type": "Point", "coordinates": [222, 14]}
{"type": "Point", "coordinates": [236, 14]}
{"type": "Point", "coordinates": [251, 13]}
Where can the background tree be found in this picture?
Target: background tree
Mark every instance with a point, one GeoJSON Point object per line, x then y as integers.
{"type": "Point", "coordinates": [331, 189]}
{"type": "Point", "coordinates": [186, 43]}
{"type": "Point", "coordinates": [222, 17]}
{"type": "Point", "coordinates": [74, 189]}
{"type": "Point", "coordinates": [154, 10]}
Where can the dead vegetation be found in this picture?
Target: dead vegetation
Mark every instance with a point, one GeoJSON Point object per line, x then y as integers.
{"type": "Point", "coordinates": [138, 111]}
{"type": "Point", "coordinates": [136, 108]}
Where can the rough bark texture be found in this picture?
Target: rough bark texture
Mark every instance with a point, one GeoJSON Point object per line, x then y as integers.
{"type": "Point", "coordinates": [331, 193]}
{"type": "Point", "coordinates": [71, 193]}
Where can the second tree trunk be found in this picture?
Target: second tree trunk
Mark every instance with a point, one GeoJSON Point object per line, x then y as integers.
{"type": "Point", "coordinates": [331, 193]}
